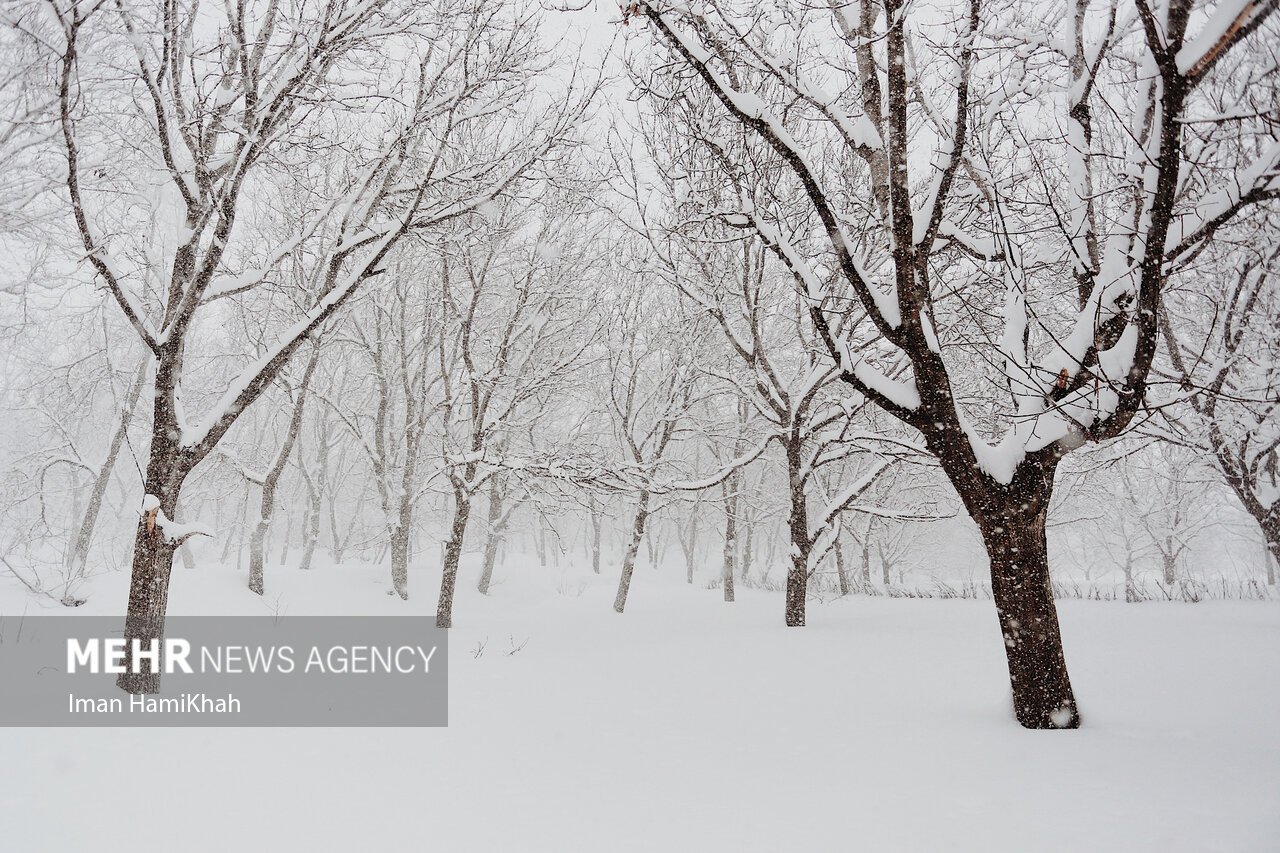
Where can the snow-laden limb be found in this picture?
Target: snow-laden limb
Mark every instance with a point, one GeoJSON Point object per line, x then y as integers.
{"type": "Point", "coordinates": [1083, 66]}
{"type": "Point", "coordinates": [241, 391]}
{"type": "Point", "coordinates": [843, 499]}
{"type": "Point", "coordinates": [1230, 18]}
{"type": "Point", "coordinates": [903, 394]}
{"type": "Point", "coordinates": [173, 532]}
{"type": "Point", "coordinates": [858, 132]}
{"type": "Point", "coordinates": [751, 110]}
{"type": "Point", "coordinates": [1258, 180]}
{"type": "Point", "coordinates": [133, 310]}
{"type": "Point", "coordinates": [250, 278]}
{"type": "Point", "coordinates": [926, 220]}
{"type": "Point", "coordinates": [922, 216]}
{"type": "Point", "coordinates": [983, 248]}
{"type": "Point", "coordinates": [1024, 388]}
{"type": "Point", "coordinates": [725, 471]}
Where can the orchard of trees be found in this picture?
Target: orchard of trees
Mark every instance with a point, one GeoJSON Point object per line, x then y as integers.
{"type": "Point", "coordinates": [782, 295]}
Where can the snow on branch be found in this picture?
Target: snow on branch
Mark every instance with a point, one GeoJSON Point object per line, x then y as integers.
{"type": "Point", "coordinates": [752, 112]}
{"type": "Point", "coordinates": [173, 532]}
{"type": "Point", "coordinates": [1231, 21]}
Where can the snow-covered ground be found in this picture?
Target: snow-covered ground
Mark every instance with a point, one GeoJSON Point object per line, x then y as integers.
{"type": "Point", "coordinates": [688, 724]}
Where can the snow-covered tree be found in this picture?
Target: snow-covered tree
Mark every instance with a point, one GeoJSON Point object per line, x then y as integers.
{"type": "Point", "coordinates": [1015, 277]}
{"type": "Point", "coordinates": [217, 107]}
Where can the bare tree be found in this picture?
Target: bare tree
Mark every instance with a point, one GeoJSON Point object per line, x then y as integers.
{"type": "Point", "coordinates": [1224, 347]}
{"type": "Point", "coordinates": [928, 261]}
{"type": "Point", "coordinates": [230, 96]}
{"type": "Point", "coordinates": [512, 342]}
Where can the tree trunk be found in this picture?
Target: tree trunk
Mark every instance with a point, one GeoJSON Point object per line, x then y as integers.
{"type": "Point", "coordinates": [401, 546]}
{"type": "Point", "coordinates": [1271, 532]}
{"type": "Point", "coordinates": [797, 589]}
{"type": "Point", "coordinates": [730, 491]}
{"type": "Point", "coordinates": [595, 537]}
{"type": "Point", "coordinates": [1020, 584]}
{"type": "Point", "coordinates": [148, 603]}
{"type": "Point", "coordinates": [747, 551]}
{"type": "Point", "coordinates": [1170, 568]}
{"type": "Point", "coordinates": [311, 527]}
{"type": "Point", "coordinates": [257, 545]}
{"type": "Point", "coordinates": [152, 562]}
{"type": "Point", "coordinates": [495, 537]}
{"type": "Point", "coordinates": [452, 556]}
{"type": "Point", "coordinates": [840, 572]}
{"type": "Point", "coordinates": [691, 547]}
{"type": "Point", "coordinates": [801, 546]}
{"type": "Point", "coordinates": [633, 549]}
{"type": "Point", "coordinates": [240, 528]}
{"type": "Point", "coordinates": [866, 552]}
{"type": "Point", "coordinates": [1130, 591]}
{"type": "Point", "coordinates": [288, 538]}
{"type": "Point", "coordinates": [490, 559]}
{"type": "Point", "coordinates": [80, 551]}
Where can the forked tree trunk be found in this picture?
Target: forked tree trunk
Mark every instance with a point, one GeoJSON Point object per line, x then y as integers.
{"type": "Point", "coordinates": [633, 549]}
{"type": "Point", "coordinates": [1020, 584]}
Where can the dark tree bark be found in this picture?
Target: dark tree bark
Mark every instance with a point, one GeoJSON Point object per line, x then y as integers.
{"type": "Point", "coordinates": [452, 556]}
{"type": "Point", "coordinates": [1008, 506]}
{"type": "Point", "coordinates": [168, 465]}
{"type": "Point", "coordinates": [1042, 695]}
{"type": "Point", "coordinates": [801, 544]}
{"type": "Point", "coordinates": [1012, 522]}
